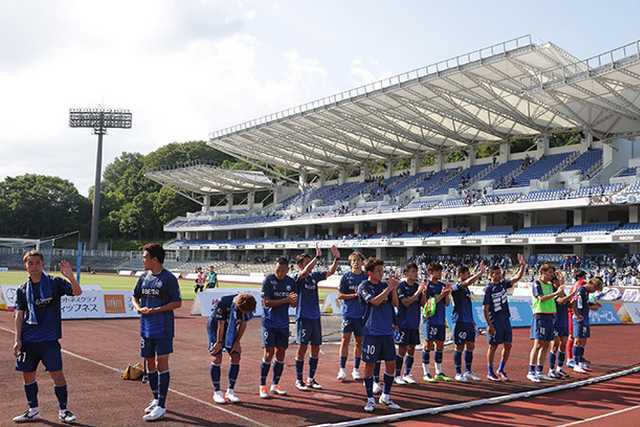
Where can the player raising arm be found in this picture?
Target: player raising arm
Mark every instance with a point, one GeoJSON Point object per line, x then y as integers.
{"type": "Point", "coordinates": [38, 327]}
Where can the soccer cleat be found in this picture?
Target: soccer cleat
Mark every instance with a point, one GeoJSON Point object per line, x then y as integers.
{"type": "Point", "coordinates": [493, 377]}
{"type": "Point", "coordinates": [355, 374]}
{"type": "Point", "coordinates": [376, 388]}
{"type": "Point", "coordinates": [571, 363]}
{"type": "Point", "coordinates": [263, 392]}
{"type": "Point", "coordinates": [230, 395]}
{"type": "Point", "coordinates": [442, 377]}
{"type": "Point", "coordinates": [342, 375]}
{"type": "Point", "coordinates": [399, 381]}
{"type": "Point", "coordinates": [470, 376]}
{"type": "Point", "coordinates": [275, 389]}
{"type": "Point", "coordinates": [562, 373]}
{"type": "Point", "coordinates": [218, 397]}
{"type": "Point", "coordinates": [544, 377]}
{"type": "Point", "coordinates": [554, 375]}
{"type": "Point", "coordinates": [390, 404]}
{"type": "Point", "coordinates": [533, 377]}
{"type": "Point", "coordinates": [585, 366]}
{"type": "Point", "coordinates": [428, 378]}
{"type": "Point", "coordinates": [579, 369]}
{"type": "Point", "coordinates": [461, 378]}
{"type": "Point", "coordinates": [300, 385]}
{"type": "Point", "coordinates": [313, 384]}
{"type": "Point", "coordinates": [503, 376]}
{"type": "Point", "coordinates": [155, 414]}
{"type": "Point", "coordinates": [370, 406]}
{"type": "Point", "coordinates": [30, 414]}
{"type": "Point", "coordinates": [66, 416]}
{"type": "Point", "coordinates": [151, 405]}
{"type": "Point", "coordinates": [408, 379]}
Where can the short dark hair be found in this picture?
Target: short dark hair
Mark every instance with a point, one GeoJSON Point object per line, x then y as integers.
{"type": "Point", "coordinates": [495, 267]}
{"type": "Point", "coordinates": [463, 269]}
{"type": "Point", "coordinates": [580, 274]}
{"type": "Point", "coordinates": [372, 263]}
{"type": "Point", "coordinates": [32, 252]}
{"type": "Point", "coordinates": [408, 266]}
{"type": "Point", "coordinates": [155, 250]}
{"type": "Point", "coordinates": [546, 266]}
{"type": "Point", "coordinates": [282, 261]}
{"type": "Point", "coordinates": [301, 258]}
{"type": "Point", "coordinates": [434, 266]}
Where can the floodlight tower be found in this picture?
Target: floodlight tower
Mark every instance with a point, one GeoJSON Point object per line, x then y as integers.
{"type": "Point", "coordinates": [99, 119]}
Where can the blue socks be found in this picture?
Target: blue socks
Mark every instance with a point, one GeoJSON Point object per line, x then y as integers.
{"type": "Point", "coordinates": [552, 360]}
{"type": "Point", "coordinates": [278, 367]}
{"type": "Point", "coordinates": [561, 357]}
{"type": "Point", "coordinates": [438, 357]}
{"type": "Point", "coordinates": [313, 366]}
{"type": "Point", "coordinates": [502, 366]}
{"type": "Point", "coordinates": [153, 383]}
{"type": "Point", "coordinates": [214, 370]}
{"type": "Point", "coordinates": [61, 394]}
{"type": "Point", "coordinates": [376, 372]}
{"type": "Point", "coordinates": [399, 361]}
{"type": "Point", "coordinates": [532, 369]}
{"type": "Point", "coordinates": [31, 391]}
{"type": "Point", "coordinates": [388, 382]}
{"type": "Point", "coordinates": [578, 352]}
{"type": "Point", "coordinates": [356, 362]}
{"type": "Point", "coordinates": [234, 370]}
{"type": "Point", "coordinates": [468, 360]}
{"type": "Point", "coordinates": [163, 388]}
{"type": "Point", "coordinates": [368, 385]}
{"type": "Point", "coordinates": [408, 364]}
{"type": "Point", "coordinates": [343, 362]}
{"type": "Point", "coordinates": [425, 357]}
{"type": "Point", "coordinates": [264, 372]}
{"type": "Point", "coordinates": [299, 369]}
{"type": "Point", "coordinates": [457, 361]}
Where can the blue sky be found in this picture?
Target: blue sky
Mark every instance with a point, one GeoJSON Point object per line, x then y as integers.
{"type": "Point", "coordinates": [187, 67]}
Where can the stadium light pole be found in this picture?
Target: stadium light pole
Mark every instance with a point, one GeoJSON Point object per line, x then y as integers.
{"type": "Point", "coordinates": [99, 119]}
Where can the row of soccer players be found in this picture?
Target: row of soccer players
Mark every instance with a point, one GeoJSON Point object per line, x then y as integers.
{"type": "Point", "coordinates": [368, 313]}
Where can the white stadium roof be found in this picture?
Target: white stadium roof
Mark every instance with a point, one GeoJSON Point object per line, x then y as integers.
{"type": "Point", "coordinates": [512, 89]}
{"type": "Point", "coordinates": [207, 179]}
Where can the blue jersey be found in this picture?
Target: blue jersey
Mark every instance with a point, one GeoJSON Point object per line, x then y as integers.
{"type": "Point", "coordinates": [156, 290]}
{"type": "Point", "coordinates": [408, 316]}
{"type": "Point", "coordinates": [378, 320]}
{"type": "Point", "coordinates": [221, 310]}
{"type": "Point", "coordinates": [352, 308]}
{"type": "Point", "coordinates": [308, 301]}
{"type": "Point", "coordinates": [496, 297]}
{"type": "Point", "coordinates": [274, 289]}
{"type": "Point", "coordinates": [582, 304]}
{"type": "Point", "coordinates": [562, 315]}
{"type": "Point", "coordinates": [49, 327]}
{"type": "Point", "coordinates": [462, 306]}
{"type": "Point", "coordinates": [433, 290]}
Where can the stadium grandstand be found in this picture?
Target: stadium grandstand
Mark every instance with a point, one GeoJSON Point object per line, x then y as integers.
{"type": "Point", "coordinates": [436, 194]}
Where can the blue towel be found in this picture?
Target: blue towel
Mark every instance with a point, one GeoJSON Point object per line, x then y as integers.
{"type": "Point", "coordinates": [45, 293]}
{"type": "Point", "coordinates": [232, 328]}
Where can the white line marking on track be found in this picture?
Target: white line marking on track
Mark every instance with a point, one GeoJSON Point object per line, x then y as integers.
{"type": "Point", "coordinates": [179, 393]}
{"type": "Point", "coordinates": [598, 417]}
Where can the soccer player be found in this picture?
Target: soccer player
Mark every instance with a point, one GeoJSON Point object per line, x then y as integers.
{"type": "Point", "coordinates": [38, 327]}
{"type": "Point", "coordinates": [580, 280]}
{"type": "Point", "coordinates": [200, 278]}
{"type": "Point", "coordinates": [464, 331]}
{"type": "Point", "coordinates": [560, 330]}
{"type": "Point", "coordinates": [544, 311]}
{"type": "Point", "coordinates": [434, 326]}
{"type": "Point", "coordinates": [411, 296]}
{"type": "Point", "coordinates": [581, 325]}
{"type": "Point", "coordinates": [352, 312]}
{"type": "Point", "coordinates": [498, 317]}
{"type": "Point", "coordinates": [155, 297]}
{"type": "Point", "coordinates": [380, 299]}
{"type": "Point", "coordinates": [278, 294]}
{"type": "Point", "coordinates": [225, 329]}
{"type": "Point", "coordinates": [212, 278]}
{"type": "Point", "coordinates": [308, 314]}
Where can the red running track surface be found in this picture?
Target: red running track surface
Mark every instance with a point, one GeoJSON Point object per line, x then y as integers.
{"type": "Point", "coordinates": [99, 397]}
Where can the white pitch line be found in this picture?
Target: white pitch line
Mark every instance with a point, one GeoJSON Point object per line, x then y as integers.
{"type": "Point", "coordinates": [599, 417]}
{"type": "Point", "coordinates": [481, 402]}
{"type": "Point", "coordinates": [179, 393]}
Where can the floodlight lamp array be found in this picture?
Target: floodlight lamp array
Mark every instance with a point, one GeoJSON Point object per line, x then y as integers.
{"type": "Point", "coordinates": [100, 118]}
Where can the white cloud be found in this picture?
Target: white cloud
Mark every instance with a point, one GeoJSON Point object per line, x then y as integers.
{"type": "Point", "coordinates": [182, 68]}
